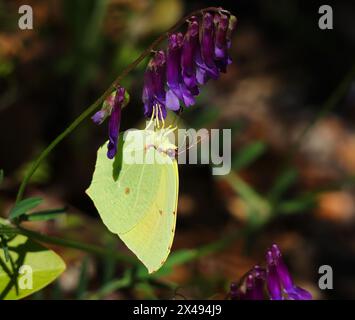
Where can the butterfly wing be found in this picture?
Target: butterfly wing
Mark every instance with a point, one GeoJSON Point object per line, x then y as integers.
{"type": "Point", "coordinates": [138, 202]}
{"type": "Point", "coordinates": [120, 190]}
{"type": "Point", "coordinates": [151, 239]}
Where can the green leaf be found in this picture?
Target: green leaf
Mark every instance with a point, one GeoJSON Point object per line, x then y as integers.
{"type": "Point", "coordinates": [7, 231]}
{"type": "Point", "coordinates": [23, 206]}
{"type": "Point", "coordinates": [109, 264]}
{"type": "Point", "coordinates": [30, 268]}
{"type": "Point", "coordinates": [43, 215]}
{"type": "Point", "coordinates": [5, 248]}
{"type": "Point", "coordinates": [259, 208]}
{"type": "Point", "coordinates": [83, 279]}
{"type": "Point", "coordinates": [147, 290]}
{"type": "Point", "coordinates": [282, 183]}
{"type": "Point", "coordinates": [114, 285]}
{"type": "Point", "coordinates": [301, 204]}
{"type": "Point", "coordinates": [1, 175]}
{"type": "Point", "coordinates": [248, 155]}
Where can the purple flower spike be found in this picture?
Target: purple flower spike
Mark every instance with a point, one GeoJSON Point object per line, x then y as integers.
{"type": "Point", "coordinates": [172, 80]}
{"type": "Point", "coordinates": [249, 283]}
{"type": "Point", "coordinates": [112, 108]}
{"type": "Point", "coordinates": [298, 293]}
{"type": "Point", "coordinates": [278, 282]}
{"type": "Point", "coordinates": [255, 284]}
{"type": "Point", "coordinates": [293, 292]}
{"type": "Point", "coordinates": [272, 279]}
{"type": "Point", "coordinates": [259, 280]}
{"type": "Point", "coordinates": [114, 123]}
{"type": "Point", "coordinates": [206, 66]}
{"type": "Point", "coordinates": [281, 268]}
{"type": "Point", "coordinates": [207, 43]}
{"type": "Point", "coordinates": [99, 116]}
{"type": "Point", "coordinates": [221, 48]}
{"type": "Point", "coordinates": [154, 85]}
{"type": "Point", "coordinates": [234, 291]}
{"type": "Point", "coordinates": [177, 88]}
{"type": "Point", "coordinates": [190, 49]}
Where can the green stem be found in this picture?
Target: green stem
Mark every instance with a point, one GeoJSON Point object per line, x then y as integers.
{"type": "Point", "coordinates": [95, 250]}
{"type": "Point", "coordinates": [100, 100]}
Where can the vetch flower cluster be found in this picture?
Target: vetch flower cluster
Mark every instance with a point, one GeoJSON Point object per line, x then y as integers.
{"type": "Point", "coordinates": [273, 282]}
{"type": "Point", "coordinates": [172, 78]}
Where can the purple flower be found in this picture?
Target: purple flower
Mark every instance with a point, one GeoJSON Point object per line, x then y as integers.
{"type": "Point", "coordinates": [101, 115]}
{"type": "Point", "coordinates": [222, 58]}
{"type": "Point", "coordinates": [154, 85]}
{"type": "Point", "coordinates": [112, 108]}
{"type": "Point", "coordinates": [235, 292]}
{"type": "Point", "coordinates": [273, 281]}
{"type": "Point", "coordinates": [276, 263]}
{"type": "Point", "coordinates": [255, 284]}
{"type": "Point", "coordinates": [206, 67]}
{"type": "Point", "coordinates": [172, 80]}
{"type": "Point", "coordinates": [177, 88]}
{"type": "Point", "coordinates": [190, 49]}
{"type": "Point", "coordinates": [114, 123]}
{"type": "Point", "coordinates": [275, 278]}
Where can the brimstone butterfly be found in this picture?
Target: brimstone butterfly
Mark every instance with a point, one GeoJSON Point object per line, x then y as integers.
{"type": "Point", "coordinates": [138, 201]}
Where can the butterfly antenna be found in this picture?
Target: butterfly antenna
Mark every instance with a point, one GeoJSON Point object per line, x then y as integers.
{"type": "Point", "coordinates": [197, 142]}
{"type": "Point", "coordinates": [185, 140]}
